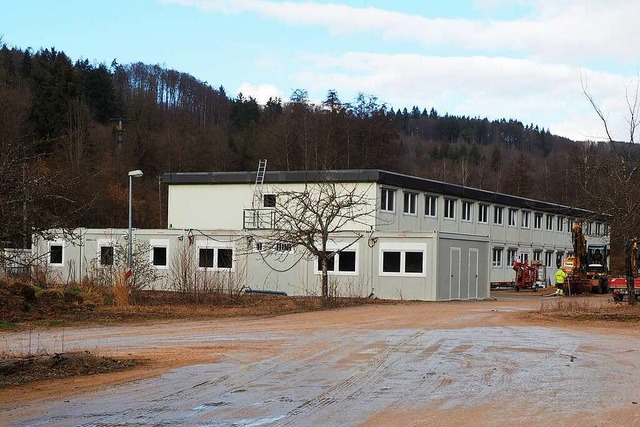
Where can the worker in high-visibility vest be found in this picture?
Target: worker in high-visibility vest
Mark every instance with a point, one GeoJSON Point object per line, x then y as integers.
{"type": "Point", "coordinates": [561, 275]}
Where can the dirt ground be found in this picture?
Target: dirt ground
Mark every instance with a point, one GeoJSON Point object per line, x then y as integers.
{"type": "Point", "coordinates": [498, 362]}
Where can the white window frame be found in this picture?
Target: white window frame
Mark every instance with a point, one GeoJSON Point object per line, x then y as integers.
{"type": "Point", "coordinates": [56, 242]}
{"type": "Point", "coordinates": [549, 223]}
{"type": "Point", "coordinates": [159, 243]}
{"type": "Point", "coordinates": [523, 256]}
{"type": "Point", "coordinates": [387, 199]}
{"type": "Point", "coordinates": [430, 206]}
{"type": "Point", "coordinates": [537, 221]}
{"type": "Point", "coordinates": [336, 262]}
{"type": "Point", "coordinates": [560, 224]}
{"type": "Point", "coordinates": [264, 200]}
{"type": "Point", "coordinates": [512, 220]}
{"type": "Point", "coordinates": [106, 243]}
{"type": "Point", "coordinates": [598, 228]}
{"type": "Point", "coordinates": [410, 203]}
{"type": "Point", "coordinates": [403, 248]}
{"type": "Point", "coordinates": [537, 254]}
{"type": "Point", "coordinates": [497, 215]}
{"type": "Point", "coordinates": [450, 208]}
{"type": "Point", "coordinates": [216, 246]}
{"type": "Point", "coordinates": [548, 259]}
{"type": "Point", "coordinates": [483, 213]}
{"type": "Point", "coordinates": [526, 219]}
{"type": "Point", "coordinates": [496, 257]}
{"type": "Point", "coordinates": [512, 255]}
{"type": "Point", "coordinates": [467, 211]}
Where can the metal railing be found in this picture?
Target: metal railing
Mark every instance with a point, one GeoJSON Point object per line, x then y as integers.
{"type": "Point", "coordinates": [258, 219]}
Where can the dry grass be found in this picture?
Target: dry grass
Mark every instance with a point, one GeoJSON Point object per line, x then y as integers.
{"type": "Point", "coordinates": [586, 310]}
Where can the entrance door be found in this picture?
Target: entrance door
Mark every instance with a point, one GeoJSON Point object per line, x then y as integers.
{"type": "Point", "coordinates": [473, 273]}
{"type": "Point", "coordinates": [454, 284]}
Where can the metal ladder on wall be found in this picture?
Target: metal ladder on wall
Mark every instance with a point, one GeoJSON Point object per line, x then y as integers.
{"type": "Point", "coordinates": [257, 189]}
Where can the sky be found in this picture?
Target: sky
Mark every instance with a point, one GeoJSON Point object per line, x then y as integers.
{"type": "Point", "coordinates": [528, 60]}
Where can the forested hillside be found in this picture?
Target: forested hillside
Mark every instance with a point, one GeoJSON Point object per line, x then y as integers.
{"type": "Point", "coordinates": [72, 130]}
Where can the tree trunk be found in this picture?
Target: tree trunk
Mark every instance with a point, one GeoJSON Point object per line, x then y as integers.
{"type": "Point", "coordinates": [628, 262]}
{"type": "Point", "coordinates": [325, 282]}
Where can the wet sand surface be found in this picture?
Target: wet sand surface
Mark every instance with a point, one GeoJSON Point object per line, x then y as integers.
{"type": "Point", "coordinates": [458, 363]}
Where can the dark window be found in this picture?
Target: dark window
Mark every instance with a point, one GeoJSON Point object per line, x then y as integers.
{"type": "Point", "coordinates": [106, 255]}
{"type": "Point", "coordinates": [160, 256]}
{"type": "Point", "coordinates": [330, 263]}
{"type": "Point", "coordinates": [55, 254]}
{"type": "Point", "coordinates": [205, 258]}
{"type": "Point", "coordinates": [391, 262]}
{"type": "Point", "coordinates": [225, 258]}
{"type": "Point", "coordinates": [347, 261]}
{"type": "Point", "coordinates": [413, 262]}
{"type": "Point", "coordinates": [269, 200]}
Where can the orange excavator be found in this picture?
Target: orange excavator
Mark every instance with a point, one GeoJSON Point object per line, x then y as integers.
{"type": "Point", "coordinates": [587, 268]}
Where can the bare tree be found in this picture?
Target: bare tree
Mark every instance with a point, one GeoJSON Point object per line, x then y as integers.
{"type": "Point", "coordinates": [310, 217]}
{"type": "Point", "coordinates": [608, 174]}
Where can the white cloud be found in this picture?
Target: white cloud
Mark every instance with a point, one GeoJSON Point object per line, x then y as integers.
{"type": "Point", "coordinates": [261, 92]}
{"type": "Point", "coordinates": [549, 95]}
{"type": "Point", "coordinates": [568, 30]}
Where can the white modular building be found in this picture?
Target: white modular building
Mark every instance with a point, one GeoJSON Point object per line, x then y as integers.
{"type": "Point", "coordinates": [423, 239]}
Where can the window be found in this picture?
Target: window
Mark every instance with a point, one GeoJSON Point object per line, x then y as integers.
{"type": "Point", "coordinates": [259, 246]}
{"type": "Point", "coordinates": [598, 228]}
{"type": "Point", "coordinates": [524, 257]}
{"type": "Point", "coordinates": [497, 215]}
{"type": "Point", "coordinates": [537, 221]}
{"type": "Point", "coordinates": [483, 213]}
{"type": "Point", "coordinates": [391, 262]}
{"type": "Point", "coordinates": [525, 219]}
{"type": "Point", "coordinates": [606, 229]}
{"type": "Point", "coordinates": [159, 252]}
{"type": "Point", "coordinates": [560, 224]}
{"type": "Point", "coordinates": [159, 256]}
{"type": "Point", "coordinates": [215, 258]}
{"type": "Point", "coordinates": [431, 206]}
{"type": "Point", "coordinates": [410, 203]}
{"type": "Point", "coordinates": [224, 258]}
{"type": "Point", "coordinates": [512, 255]}
{"type": "Point", "coordinates": [206, 257]}
{"type": "Point", "coordinates": [282, 247]}
{"type": "Point", "coordinates": [548, 259]}
{"type": "Point", "coordinates": [513, 217]}
{"type": "Point", "coordinates": [55, 254]}
{"type": "Point", "coordinates": [345, 261]}
{"type": "Point", "coordinates": [269, 200]}
{"type": "Point", "coordinates": [537, 255]}
{"type": "Point", "coordinates": [559, 257]}
{"type": "Point", "coordinates": [402, 259]}
{"type": "Point", "coordinates": [588, 228]}
{"type": "Point", "coordinates": [106, 255]}
{"type": "Point", "coordinates": [387, 200]}
{"type": "Point", "coordinates": [467, 211]}
{"type": "Point", "coordinates": [549, 222]}
{"type": "Point", "coordinates": [496, 260]}
{"type": "Point", "coordinates": [450, 208]}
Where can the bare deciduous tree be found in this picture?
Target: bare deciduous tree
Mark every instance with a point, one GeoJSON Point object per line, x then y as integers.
{"type": "Point", "coordinates": [608, 175]}
{"type": "Point", "coordinates": [310, 217]}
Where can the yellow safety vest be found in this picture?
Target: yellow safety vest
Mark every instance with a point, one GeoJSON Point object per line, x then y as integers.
{"type": "Point", "coordinates": [560, 276]}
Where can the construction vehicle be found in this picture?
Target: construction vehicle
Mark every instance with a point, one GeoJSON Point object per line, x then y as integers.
{"type": "Point", "coordinates": [587, 268]}
{"type": "Point", "coordinates": [618, 285]}
{"type": "Point", "coordinates": [527, 275]}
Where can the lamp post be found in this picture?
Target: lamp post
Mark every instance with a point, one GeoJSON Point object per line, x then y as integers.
{"type": "Point", "coordinates": [132, 174]}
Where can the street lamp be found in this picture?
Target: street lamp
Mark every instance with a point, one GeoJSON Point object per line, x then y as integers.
{"type": "Point", "coordinates": [132, 174]}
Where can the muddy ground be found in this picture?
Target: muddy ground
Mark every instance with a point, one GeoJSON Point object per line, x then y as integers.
{"type": "Point", "coordinates": [499, 362]}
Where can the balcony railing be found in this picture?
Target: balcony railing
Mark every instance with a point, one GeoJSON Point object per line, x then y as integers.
{"type": "Point", "coordinates": [256, 219]}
